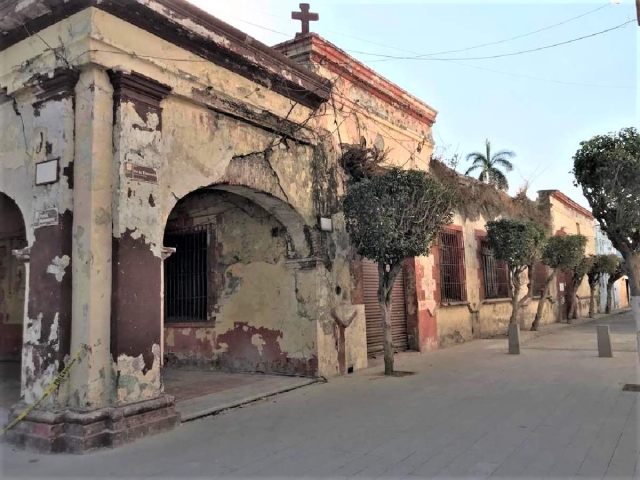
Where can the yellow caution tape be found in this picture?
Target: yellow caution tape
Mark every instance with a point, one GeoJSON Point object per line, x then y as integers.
{"type": "Point", "coordinates": [50, 389]}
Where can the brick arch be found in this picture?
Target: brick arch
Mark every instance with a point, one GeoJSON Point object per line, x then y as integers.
{"type": "Point", "coordinates": [303, 237]}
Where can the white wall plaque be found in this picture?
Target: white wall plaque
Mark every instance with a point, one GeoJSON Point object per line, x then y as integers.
{"type": "Point", "coordinates": [47, 172]}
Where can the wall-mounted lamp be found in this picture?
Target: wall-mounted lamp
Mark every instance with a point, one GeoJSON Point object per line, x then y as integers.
{"type": "Point", "coordinates": [326, 224]}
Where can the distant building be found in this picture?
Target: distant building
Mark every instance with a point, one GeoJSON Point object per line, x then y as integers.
{"type": "Point", "coordinates": [605, 247]}
{"type": "Point", "coordinates": [569, 218]}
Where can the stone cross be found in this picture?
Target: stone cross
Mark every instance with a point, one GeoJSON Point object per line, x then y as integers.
{"type": "Point", "coordinates": [305, 16]}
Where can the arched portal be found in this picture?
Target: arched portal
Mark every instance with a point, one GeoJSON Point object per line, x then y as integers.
{"type": "Point", "coordinates": [232, 299]}
{"type": "Point", "coordinates": [12, 300]}
{"type": "Point", "coordinates": [12, 279]}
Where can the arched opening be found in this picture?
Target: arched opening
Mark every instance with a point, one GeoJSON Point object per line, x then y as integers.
{"type": "Point", "coordinates": [12, 299]}
{"type": "Point", "coordinates": [232, 299]}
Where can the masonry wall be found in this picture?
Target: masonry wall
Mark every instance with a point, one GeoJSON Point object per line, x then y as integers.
{"type": "Point", "coordinates": [260, 312]}
{"type": "Point", "coordinates": [572, 222]}
{"type": "Point", "coordinates": [477, 317]}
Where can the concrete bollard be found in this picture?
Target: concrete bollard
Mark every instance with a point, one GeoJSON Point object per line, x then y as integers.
{"type": "Point", "coordinates": [604, 341]}
{"type": "Point", "coordinates": [514, 339]}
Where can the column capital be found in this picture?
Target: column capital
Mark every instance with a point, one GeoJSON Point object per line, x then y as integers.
{"type": "Point", "coordinates": [137, 88]}
{"type": "Point", "coordinates": [166, 252]}
{"type": "Point", "coordinates": [22, 254]}
{"type": "Point", "coordinates": [56, 85]}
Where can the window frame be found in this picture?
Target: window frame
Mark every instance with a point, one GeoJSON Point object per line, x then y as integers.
{"type": "Point", "coordinates": [452, 265]}
{"type": "Point", "coordinates": [500, 287]}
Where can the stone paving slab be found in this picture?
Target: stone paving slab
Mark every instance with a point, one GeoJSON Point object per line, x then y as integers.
{"type": "Point", "coordinates": [470, 411]}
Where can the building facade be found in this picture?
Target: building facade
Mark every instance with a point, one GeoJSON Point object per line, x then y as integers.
{"type": "Point", "coordinates": [169, 198]}
{"type": "Point", "coordinates": [619, 297]}
{"type": "Point", "coordinates": [177, 205]}
{"type": "Point", "coordinates": [569, 218]}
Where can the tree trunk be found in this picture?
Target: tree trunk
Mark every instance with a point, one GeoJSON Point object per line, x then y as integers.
{"type": "Point", "coordinates": [610, 285]}
{"type": "Point", "coordinates": [515, 282]}
{"type": "Point", "coordinates": [385, 284]}
{"type": "Point", "coordinates": [633, 264]}
{"type": "Point", "coordinates": [592, 301]}
{"type": "Point", "coordinates": [573, 307]}
{"type": "Point", "coordinates": [542, 301]}
{"type": "Point", "coordinates": [385, 307]}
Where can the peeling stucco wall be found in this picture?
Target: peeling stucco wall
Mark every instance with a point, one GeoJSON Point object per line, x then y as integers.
{"type": "Point", "coordinates": [37, 125]}
{"type": "Point", "coordinates": [260, 312]}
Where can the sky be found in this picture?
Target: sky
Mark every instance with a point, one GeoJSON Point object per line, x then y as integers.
{"type": "Point", "coordinates": [540, 105]}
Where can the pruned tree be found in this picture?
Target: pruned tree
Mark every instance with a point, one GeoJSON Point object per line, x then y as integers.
{"type": "Point", "coordinates": [561, 253]}
{"type": "Point", "coordinates": [392, 217]}
{"type": "Point", "coordinates": [607, 167]}
{"type": "Point", "coordinates": [577, 275]}
{"type": "Point", "coordinates": [619, 272]}
{"type": "Point", "coordinates": [520, 244]}
{"type": "Point", "coordinates": [602, 265]}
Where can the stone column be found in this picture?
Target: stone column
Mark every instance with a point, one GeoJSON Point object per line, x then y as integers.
{"type": "Point", "coordinates": [93, 165]}
{"type": "Point", "coordinates": [138, 229]}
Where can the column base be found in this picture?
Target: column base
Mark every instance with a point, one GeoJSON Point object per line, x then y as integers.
{"type": "Point", "coordinates": [71, 431]}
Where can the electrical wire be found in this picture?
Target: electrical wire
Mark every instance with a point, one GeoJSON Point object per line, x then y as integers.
{"type": "Point", "coordinates": [519, 36]}
{"type": "Point", "coordinates": [499, 72]}
{"type": "Point", "coordinates": [510, 54]}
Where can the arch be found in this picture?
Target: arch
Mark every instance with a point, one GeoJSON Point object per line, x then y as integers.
{"type": "Point", "coordinates": [231, 297]}
{"type": "Point", "coordinates": [12, 278]}
{"type": "Point", "coordinates": [303, 238]}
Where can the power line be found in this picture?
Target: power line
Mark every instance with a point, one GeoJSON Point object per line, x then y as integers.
{"type": "Point", "coordinates": [520, 36]}
{"type": "Point", "coordinates": [447, 51]}
{"type": "Point", "coordinates": [500, 72]}
{"type": "Point", "coordinates": [422, 57]}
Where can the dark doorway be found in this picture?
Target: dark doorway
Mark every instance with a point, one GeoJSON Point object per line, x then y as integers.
{"type": "Point", "coordinates": [12, 280]}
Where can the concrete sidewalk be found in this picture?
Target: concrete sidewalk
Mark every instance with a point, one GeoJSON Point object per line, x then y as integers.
{"type": "Point", "coordinates": [470, 411]}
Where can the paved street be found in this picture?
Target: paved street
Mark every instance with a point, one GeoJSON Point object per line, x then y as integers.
{"type": "Point", "coordinates": [556, 410]}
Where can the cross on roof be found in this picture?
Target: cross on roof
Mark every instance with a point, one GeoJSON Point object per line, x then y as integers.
{"type": "Point", "coordinates": [305, 16]}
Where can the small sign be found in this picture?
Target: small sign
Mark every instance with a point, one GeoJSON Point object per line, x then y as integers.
{"type": "Point", "coordinates": [44, 218]}
{"type": "Point", "coordinates": [47, 172]}
{"type": "Point", "coordinates": [140, 173]}
{"type": "Point", "coordinates": [561, 287]}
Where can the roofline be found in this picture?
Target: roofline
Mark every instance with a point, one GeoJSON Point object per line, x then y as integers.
{"type": "Point", "coordinates": [561, 197]}
{"type": "Point", "coordinates": [174, 21]}
{"type": "Point", "coordinates": [321, 51]}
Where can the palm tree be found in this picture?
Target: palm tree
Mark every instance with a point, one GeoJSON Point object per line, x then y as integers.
{"type": "Point", "coordinates": [489, 166]}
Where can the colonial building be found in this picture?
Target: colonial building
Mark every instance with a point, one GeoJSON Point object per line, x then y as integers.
{"type": "Point", "coordinates": [169, 197]}
{"type": "Point", "coordinates": [569, 218]}
{"type": "Point", "coordinates": [169, 193]}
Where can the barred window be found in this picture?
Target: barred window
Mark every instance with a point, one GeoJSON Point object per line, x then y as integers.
{"type": "Point", "coordinates": [185, 276]}
{"type": "Point", "coordinates": [539, 278]}
{"type": "Point", "coordinates": [495, 272]}
{"type": "Point", "coordinates": [452, 276]}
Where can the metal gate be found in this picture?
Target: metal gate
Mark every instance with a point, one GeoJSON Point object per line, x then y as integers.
{"type": "Point", "coordinates": [373, 314]}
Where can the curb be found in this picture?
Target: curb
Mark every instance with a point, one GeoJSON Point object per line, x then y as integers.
{"type": "Point", "coordinates": [207, 412]}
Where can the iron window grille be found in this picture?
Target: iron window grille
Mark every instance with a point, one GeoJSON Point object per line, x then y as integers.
{"type": "Point", "coordinates": [452, 274]}
{"type": "Point", "coordinates": [186, 275]}
{"type": "Point", "coordinates": [495, 273]}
